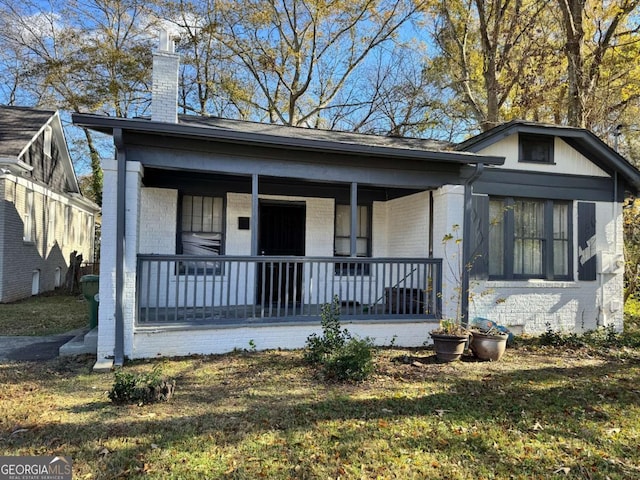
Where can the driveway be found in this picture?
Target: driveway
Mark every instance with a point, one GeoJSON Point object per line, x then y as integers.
{"type": "Point", "coordinates": [32, 349]}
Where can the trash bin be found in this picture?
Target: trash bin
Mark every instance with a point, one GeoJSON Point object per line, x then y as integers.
{"type": "Point", "coordinates": [90, 286]}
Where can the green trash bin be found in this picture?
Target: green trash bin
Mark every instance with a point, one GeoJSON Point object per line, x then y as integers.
{"type": "Point", "coordinates": [90, 285]}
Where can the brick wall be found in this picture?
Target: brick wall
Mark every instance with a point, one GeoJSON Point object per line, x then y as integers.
{"type": "Point", "coordinates": [164, 106]}
{"type": "Point", "coordinates": [528, 306]}
{"type": "Point", "coordinates": [59, 226]}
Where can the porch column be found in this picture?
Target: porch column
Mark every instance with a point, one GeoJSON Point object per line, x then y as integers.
{"type": "Point", "coordinates": [354, 220]}
{"type": "Point", "coordinates": [254, 214]}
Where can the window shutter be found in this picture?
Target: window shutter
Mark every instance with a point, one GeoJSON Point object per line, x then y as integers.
{"type": "Point", "coordinates": [479, 237]}
{"type": "Point", "coordinates": [586, 241]}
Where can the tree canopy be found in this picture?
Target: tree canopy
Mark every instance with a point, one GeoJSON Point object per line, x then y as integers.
{"type": "Point", "coordinates": [436, 68]}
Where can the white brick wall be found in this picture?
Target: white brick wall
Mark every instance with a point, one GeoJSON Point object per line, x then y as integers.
{"type": "Point", "coordinates": [527, 306]}
{"type": "Point", "coordinates": [158, 213]}
{"type": "Point", "coordinates": [408, 226]}
{"type": "Point", "coordinates": [164, 105]}
{"type": "Point", "coordinates": [448, 210]}
{"type": "Point", "coordinates": [106, 313]}
{"type": "Point", "coordinates": [150, 343]}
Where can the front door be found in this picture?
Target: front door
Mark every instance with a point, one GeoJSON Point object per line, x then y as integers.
{"type": "Point", "coordinates": [281, 233]}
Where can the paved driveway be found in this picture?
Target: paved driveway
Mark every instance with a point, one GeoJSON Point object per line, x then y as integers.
{"type": "Point", "coordinates": [34, 349]}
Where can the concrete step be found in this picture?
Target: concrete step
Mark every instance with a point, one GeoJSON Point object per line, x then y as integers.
{"type": "Point", "coordinates": [82, 343]}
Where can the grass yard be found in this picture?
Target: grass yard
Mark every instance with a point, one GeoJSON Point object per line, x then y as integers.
{"type": "Point", "coordinates": [541, 412]}
{"type": "Point", "coordinates": [46, 314]}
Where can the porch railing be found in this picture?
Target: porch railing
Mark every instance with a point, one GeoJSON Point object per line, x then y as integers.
{"type": "Point", "coordinates": [242, 289]}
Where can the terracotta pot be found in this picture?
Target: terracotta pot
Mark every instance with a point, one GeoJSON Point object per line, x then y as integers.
{"type": "Point", "coordinates": [449, 348]}
{"type": "Point", "coordinates": [487, 346]}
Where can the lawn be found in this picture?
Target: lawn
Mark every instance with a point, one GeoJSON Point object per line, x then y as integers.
{"type": "Point", "coordinates": [541, 412]}
{"type": "Point", "coordinates": [46, 314]}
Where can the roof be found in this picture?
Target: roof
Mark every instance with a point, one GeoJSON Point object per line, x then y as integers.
{"type": "Point", "coordinates": [295, 138]}
{"type": "Point", "coordinates": [582, 140]}
{"type": "Point", "coordinates": [18, 126]}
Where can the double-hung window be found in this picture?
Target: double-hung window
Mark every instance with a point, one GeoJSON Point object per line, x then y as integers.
{"type": "Point", "coordinates": [529, 238]}
{"type": "Point", "coordinates": [201, 232]}
{"type": "Point", "coordinates": [343, 237]}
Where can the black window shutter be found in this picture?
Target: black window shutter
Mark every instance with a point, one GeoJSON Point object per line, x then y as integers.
{"type": "Point", "coordinates": [586, 241]}
{"type": "Point", "coordinates": [479, 237]}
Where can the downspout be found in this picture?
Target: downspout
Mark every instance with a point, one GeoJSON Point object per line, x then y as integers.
{"type": "Point", "coordinates": [466, 244]}
{"type": "Point", "coordinates": [430, 233]}
{"type": "Point", "coordinates": [118, 141]}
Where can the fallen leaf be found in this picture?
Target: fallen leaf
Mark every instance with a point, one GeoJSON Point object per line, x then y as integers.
{"type": "Point", "coordinates": [154, 446]}
{"type": "Point", "coordinates": [537, 426]}
{"type": "Point", "coordinates": [564, 470]}
{"type": "Point", "coordinates": [440, 412]}
{"type": "Point", "coordinates": [104, 452]}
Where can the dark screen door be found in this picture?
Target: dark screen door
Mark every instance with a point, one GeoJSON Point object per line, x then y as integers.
{"type": "Point", "coordinates": [281, 233]}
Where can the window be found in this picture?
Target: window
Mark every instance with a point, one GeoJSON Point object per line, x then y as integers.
{"type": "Point", "coordinates": [51, 229]}
{"type": "Point", "coordinates": [47, 141]}
{"type": "Point", "coordinates": [28, 217]}
{"type": "Point", "coordinates": [342, 244]}
{"type": "Point", "coordinates": [535, 148]}
{"type": "Point", "coordinates": [201, 231]}
{"type": "Point", "coordinates": [529, 238]}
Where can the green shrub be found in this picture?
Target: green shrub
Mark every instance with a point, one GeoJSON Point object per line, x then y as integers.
{"type": "Point", "coordinates": [351, 361]}
{"type": "Point", "coordinates": [141, 388]}
{"type": "Point", "coordinates": [600, 338]}
{"type": "Point", "coordinates": [333, 336]}
{"type": "Point", "coordinates": [340, 355]}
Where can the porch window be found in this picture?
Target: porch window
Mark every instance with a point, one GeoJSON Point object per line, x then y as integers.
{"type": "Point", "coordinates": [529, 239]}
{"type": "Point", "coordinates": [201, 232]}
{"type": "Point", "coordinates": [343, 237]}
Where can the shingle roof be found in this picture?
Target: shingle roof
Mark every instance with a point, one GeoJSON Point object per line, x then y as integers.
{"type": "Point", "coordinates": [275, 130]}
{"type": "Point", "coordinates": [18, 125]}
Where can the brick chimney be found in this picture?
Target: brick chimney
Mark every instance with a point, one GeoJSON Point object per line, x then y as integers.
{"type": "Point", "coordinates": [164, 97]}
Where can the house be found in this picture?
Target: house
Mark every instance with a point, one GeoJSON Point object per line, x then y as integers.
{"type": "Point", "coordinates": [43, 215]}
{"type": "Point", "coordinates": [221, 233]}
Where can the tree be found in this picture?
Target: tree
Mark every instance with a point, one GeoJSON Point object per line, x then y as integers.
{"type": "Point", "coordinates": [293, 58]}
{"type": "Point", "coordinates": [598, 35]}
{"type": "Point", "coordinates": [83, 56]}
{"type": "Point", "coordinates": [486, 49]}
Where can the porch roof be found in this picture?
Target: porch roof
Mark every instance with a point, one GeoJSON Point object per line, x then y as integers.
{"type": "Point", "coordinates": [289, 138]}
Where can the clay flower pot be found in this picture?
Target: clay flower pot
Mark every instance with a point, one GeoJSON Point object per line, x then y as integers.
{"type": "Point", "coordinates": [449, 348]}
{"type": "Point", "coordinates": [488, 346]}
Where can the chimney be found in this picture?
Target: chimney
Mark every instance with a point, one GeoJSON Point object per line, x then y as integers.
{"type": "Point", "coordinates": [164, 97]}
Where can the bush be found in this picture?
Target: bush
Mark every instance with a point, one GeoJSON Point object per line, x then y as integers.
{"type": "Point", "coordinates": [352, 361]}
{"type": "Point", "coordinates": [340, 355]}
{"type": "Point", "coordinates": [141, 388]}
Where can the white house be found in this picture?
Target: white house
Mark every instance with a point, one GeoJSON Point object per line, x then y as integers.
{"type": "Point", "coordinates": [43, 215]}
{"type": "Point", "coordinates": [219, 232]}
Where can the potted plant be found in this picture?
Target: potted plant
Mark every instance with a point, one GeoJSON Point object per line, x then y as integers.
{"type": "Point", "coordinates": [451, 338]}
{"type": "Point", "coordinates": [488, 342]}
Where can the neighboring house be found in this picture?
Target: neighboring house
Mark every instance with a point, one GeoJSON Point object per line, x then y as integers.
{"type": "Point", "coordinates": [218, 233]}
{"type": "Point", "coordinates": [43, 216]}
